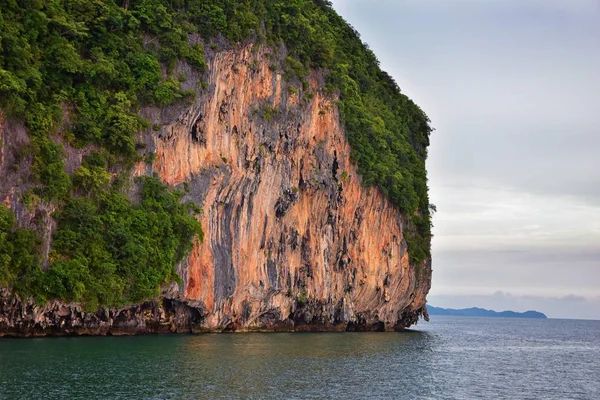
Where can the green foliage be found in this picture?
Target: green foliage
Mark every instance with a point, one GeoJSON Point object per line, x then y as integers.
{"type": "Point", "coordinates": [19, 263]}
{"type": "Point", "coordinates": [295, 69]}
{"type": "Point", "coordinates": [92, 175]}
{"type": "Point", "coordinates": [150, 158]}
{"type": "Point", "coordinates": [49, 169]}
{"type": "Point", "coordinates": [96, 56]}
{"type": "Point", "coordinates": [268, 113]}
{"type": "Point", "coordinates": [195, 57]}
{"type": "Point", "coordinates": [106, 250]}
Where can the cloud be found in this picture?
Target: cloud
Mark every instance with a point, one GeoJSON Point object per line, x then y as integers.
{"type": "Point", "coordinates": [477, 217]}
{"type": "Point", "coordinates": [574, 298]}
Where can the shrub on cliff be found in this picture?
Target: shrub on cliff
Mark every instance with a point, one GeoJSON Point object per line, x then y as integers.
{"type": "Point", "coordinates": [106, 250]}
{"type": "Point", "coordinates": [16, 258]}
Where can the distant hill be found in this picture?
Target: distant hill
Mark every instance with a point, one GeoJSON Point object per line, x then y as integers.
{"type": "Point", "coordinates": [482, 312]}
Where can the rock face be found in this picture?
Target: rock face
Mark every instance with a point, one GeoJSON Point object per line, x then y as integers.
{"type": "Point", "coordinates": [293, 241]}
{"type": "Point", "coordinates": [171, 314]}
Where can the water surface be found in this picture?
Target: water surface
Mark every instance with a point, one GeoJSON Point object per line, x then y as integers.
{"type": "Point", "coordinates": [450, 358]}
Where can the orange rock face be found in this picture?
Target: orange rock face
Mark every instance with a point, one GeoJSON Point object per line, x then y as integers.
{"type": "Point", "coordinates": [293, 241]}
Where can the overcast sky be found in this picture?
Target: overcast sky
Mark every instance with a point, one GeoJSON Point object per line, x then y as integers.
{"type": "Point", "coordinates": [513, 90]}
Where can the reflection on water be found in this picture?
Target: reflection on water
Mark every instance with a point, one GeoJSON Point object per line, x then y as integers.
{"type": "Point", "coordinates": [450, 358]}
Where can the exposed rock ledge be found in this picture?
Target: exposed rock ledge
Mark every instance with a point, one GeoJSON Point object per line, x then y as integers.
{"type": "Point", "coordinates": [170, 314]}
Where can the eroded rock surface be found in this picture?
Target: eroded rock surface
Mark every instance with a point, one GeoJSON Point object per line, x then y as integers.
{"type": "Point", "coordinates": [170, 314]}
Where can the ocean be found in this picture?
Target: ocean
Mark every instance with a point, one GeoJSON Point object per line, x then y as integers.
{"type": "Point", "coordinates": [449, 358]}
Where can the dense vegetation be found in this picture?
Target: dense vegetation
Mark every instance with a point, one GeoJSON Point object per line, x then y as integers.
{"type": "Point", "coordinates": [103, 59]}
{"type": "Point", "coordinates": [106, 251]}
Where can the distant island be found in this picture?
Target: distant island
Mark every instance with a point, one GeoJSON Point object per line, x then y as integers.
{"type": "Point", "coordinates": [482, 312]}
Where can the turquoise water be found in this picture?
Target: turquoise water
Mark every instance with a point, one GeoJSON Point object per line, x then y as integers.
{"type": "Point", "coordinates": [450, 358]}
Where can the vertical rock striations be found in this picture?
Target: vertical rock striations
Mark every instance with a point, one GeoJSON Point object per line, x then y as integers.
{"type": "Point", "coordinates": [293, 240]}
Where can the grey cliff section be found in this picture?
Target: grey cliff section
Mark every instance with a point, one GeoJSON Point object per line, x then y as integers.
{"type": "Point", "coordinates": [170, 314]}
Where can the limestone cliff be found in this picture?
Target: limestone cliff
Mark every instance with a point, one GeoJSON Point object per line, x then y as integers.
{"type": "Point", "coordinates": [293, 241]}
{"type": "Point", "coordinates": [292, 238]}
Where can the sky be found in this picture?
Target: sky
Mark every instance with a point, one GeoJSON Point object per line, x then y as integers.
{"type": "Point", "coordinates": [512, 88]}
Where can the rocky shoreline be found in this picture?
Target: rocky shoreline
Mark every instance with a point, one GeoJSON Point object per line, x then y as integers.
{"type": "Point", "coordinates": [169, 314]}
{"type": "Point", "coordinates": [26, 318]}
